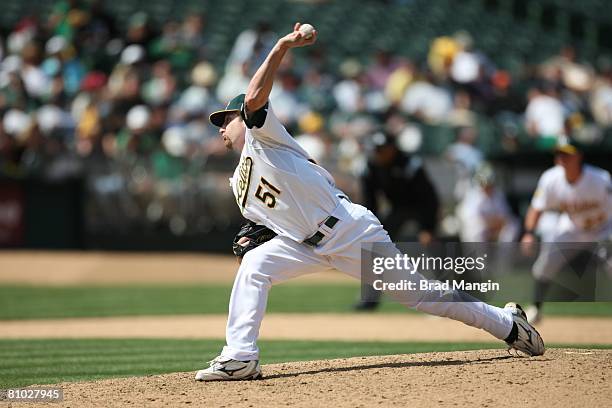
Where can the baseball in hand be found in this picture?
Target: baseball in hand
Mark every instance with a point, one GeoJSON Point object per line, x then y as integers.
{"type": "Point", "coordinates": [306, 30]}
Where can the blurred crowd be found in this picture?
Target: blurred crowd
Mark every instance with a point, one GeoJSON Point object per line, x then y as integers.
{"type": "Point", "coordinates": [128, 106]}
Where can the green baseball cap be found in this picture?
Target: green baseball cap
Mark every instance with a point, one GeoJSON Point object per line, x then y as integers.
{"type": "Point", "coordinates": [235, 105]}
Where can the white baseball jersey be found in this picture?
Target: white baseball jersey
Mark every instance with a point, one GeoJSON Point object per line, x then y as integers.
{"type": "Point", "coordinates": [276, 185]}
{"type": "Point", "coordinates": [586, 205]}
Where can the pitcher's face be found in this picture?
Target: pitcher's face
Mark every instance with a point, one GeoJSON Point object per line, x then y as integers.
{"type": "Point", "coordinates": [232, 131]}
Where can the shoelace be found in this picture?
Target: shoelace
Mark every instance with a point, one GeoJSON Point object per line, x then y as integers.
{"type": "Point", "coordinates": [215, 360]}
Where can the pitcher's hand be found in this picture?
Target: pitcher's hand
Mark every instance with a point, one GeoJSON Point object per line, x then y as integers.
{"type": "Point", "coordinates": [297, 39]}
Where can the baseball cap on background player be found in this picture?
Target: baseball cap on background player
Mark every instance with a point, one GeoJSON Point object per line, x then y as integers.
{"type": "Point", "coordinates": [567, 145]}
{"type": "Point", "coordinates": [235, 105]}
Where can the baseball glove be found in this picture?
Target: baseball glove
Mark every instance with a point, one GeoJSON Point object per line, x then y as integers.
{"type": "Point", "coordinates": [256, 234]}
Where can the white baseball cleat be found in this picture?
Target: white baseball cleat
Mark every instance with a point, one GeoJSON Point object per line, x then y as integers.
{"type": "Point", "coordinates": [227, 369]}
{"type": "Point", "coordinates": [533, 314]}
{"type": "Point", "coordinates": [526, 338]}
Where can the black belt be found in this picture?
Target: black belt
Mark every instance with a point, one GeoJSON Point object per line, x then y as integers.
{"type": "Point", "coordinates": [329, 222]}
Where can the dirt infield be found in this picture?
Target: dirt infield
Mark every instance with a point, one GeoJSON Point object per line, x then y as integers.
{"type": "Point", "coordinates": [349, 327]}
{"type": "Point", "coordinates": [100, 268]}
{"type": "Point", "coordinates": [485, 378]}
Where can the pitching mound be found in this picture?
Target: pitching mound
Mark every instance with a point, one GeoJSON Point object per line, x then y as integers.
{"type": "Point", "coordinates": [487, 378]}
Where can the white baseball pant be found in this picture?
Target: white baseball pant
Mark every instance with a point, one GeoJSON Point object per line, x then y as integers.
{"type": "Point", "coordinates": [552, 258]}
{"type": "Point", "coordinates": [281, 259]}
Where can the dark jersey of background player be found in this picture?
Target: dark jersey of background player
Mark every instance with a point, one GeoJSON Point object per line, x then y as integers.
{"type": "Point", "coordinates": [403, 181]}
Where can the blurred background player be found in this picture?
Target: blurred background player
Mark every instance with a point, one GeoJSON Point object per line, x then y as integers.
{"type": "Point", "coordinates": [582, 194]}
{"type": "Point", "coordinates": [401, 181]}
{"type": "Point", "coordinates": [484, 213]}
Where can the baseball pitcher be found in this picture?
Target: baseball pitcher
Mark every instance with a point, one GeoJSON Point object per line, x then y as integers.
{"type": "Point", "coordinates": [315, 228]}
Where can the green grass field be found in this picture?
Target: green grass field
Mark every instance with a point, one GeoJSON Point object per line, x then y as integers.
{"type": "Point", "coordinates": [48, 361]}
{"type": "Point", "coordinates": [33, 302]}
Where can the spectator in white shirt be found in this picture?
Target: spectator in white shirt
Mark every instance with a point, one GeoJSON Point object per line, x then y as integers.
{"type": "Point", "coordinates": [544, 116]}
